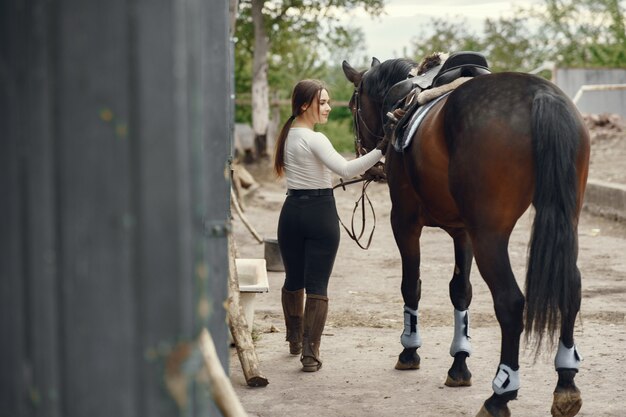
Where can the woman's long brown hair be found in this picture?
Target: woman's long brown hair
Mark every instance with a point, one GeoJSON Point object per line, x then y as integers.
{"type": "Point", "coordinates": [305, 92]}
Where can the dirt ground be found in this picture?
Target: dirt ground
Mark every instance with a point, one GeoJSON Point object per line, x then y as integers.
{"type": "Point", "coordinates": [362, 337]}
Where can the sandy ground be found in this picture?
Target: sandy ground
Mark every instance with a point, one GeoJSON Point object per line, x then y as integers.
{"type": "Point", "coordinates": [362, 337]}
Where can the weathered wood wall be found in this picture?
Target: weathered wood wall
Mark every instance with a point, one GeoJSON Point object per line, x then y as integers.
{"type": "Point", "coordinates": [115, 126]}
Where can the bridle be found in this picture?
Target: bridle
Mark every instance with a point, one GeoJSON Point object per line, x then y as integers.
{"type": "Point", "coordinates": [358, 120]}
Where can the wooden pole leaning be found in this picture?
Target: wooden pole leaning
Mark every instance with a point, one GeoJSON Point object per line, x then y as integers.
{"type": "Point", "coordinates": [223, 393]}
{"type": "Point", "coordinates": [244, 219]}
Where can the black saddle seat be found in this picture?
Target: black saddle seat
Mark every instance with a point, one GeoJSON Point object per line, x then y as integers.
{"type": "Point", "coordinates": [461, 64]}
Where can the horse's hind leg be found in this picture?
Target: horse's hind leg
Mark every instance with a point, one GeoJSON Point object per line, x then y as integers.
{"type": "Point", "coordinates": [491, 251]}
{"type": "Point", "coordinates": [567, 400]}
{"type": "Point", "coordinates": [461, 297]}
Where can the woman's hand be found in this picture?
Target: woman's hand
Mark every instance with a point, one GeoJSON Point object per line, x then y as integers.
{"type": "Point", "coordinates": [375, 173]}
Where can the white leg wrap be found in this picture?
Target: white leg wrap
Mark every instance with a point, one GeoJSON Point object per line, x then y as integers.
{"type": "Point", "coordinates": [567, 358]}
{"type": "Point", "coordinates": [506, 380]}
{"type": "Point", "coordinates": [461, 341]}
{"type": "Point", "coordinates": [411, 335]}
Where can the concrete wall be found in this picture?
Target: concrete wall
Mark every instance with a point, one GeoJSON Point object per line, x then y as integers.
{"type": "Point", "coordinates": [606, 199]}
{"type": "Point", "coordinates": [596, 102]}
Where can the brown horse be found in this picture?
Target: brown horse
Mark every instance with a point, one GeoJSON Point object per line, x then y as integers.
{"type": "Point", "coordinates": [481, 156]}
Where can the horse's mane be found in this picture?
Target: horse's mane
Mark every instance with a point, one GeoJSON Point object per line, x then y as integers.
{"type": "Point", "coordinates": [380, 78]}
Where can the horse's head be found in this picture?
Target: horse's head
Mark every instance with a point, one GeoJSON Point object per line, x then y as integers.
{"type": "Point", "coordinates": [368, 129]}
{"type": "Point", "coordinates": [366, 104]}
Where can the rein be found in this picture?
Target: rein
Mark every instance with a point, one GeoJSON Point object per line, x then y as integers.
{"type": "Point", "coordinates": [357, 121]}
{"type": "Point", "coordinates": [351, 232]}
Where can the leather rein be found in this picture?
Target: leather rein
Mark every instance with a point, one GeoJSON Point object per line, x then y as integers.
{"type": "Point", "coordinates": [358, 121]}
{"type": "Point", "coordinates": [360, 201]}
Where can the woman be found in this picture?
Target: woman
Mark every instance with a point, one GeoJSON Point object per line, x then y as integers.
{"type": "Point", "coordinates": [308, 227]}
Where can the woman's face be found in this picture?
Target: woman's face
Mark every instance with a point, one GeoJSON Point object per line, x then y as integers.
{"type": "Point", "coordinates": [324, 106]}
{"type": "Point", "coordinates": [318, 111]}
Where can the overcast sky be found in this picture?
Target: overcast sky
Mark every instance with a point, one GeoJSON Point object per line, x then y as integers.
{"type": "Point", "coordinates": [390, 35]}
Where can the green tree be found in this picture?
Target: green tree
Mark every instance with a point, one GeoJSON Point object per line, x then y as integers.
{"type": "Point", "coordinates": [589, 33]}
{"type": "Point", "coordinates": [445, 36]}
{"type": "Point", "coordinates": [586, 33]}
{"type": "Point", "coordinates": [281, 41]}
{"type": "Point", "coordinates": [509, 45]}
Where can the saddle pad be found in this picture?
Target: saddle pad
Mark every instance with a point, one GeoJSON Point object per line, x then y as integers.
{"type": "Point", "coordinates": [415, 121]}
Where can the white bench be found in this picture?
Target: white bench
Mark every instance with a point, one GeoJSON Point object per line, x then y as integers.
{"type": "Point", "coordinates": [252, 275]}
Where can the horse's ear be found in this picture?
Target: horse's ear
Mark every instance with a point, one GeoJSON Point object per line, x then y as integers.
{"type": "Point", "coordinates": [375, 61]}
{"type": "Point", "coordinates": [351, 74]}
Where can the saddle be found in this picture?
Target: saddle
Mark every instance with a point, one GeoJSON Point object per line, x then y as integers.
{"type": "Point", "coordinates": [404, 98]}
{"type": "Point", "coordinates": [461, 64]}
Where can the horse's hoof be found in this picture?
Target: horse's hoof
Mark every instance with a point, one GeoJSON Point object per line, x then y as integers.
{"type": "Point", "coordinates": [408, 359]}
{"type": "Point", "coordinates": [458, 374]}
{"type": "Point", "coordinates": [566, 403]}
{"type": "Point", "coordinates": [407, 366]}
{"type": "Point", "coordinates": [485, 413]}
{"type": "Point", "coordinates": [451, 382]}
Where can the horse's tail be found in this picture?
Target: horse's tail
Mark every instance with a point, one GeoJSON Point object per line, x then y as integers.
{"type": "Point", "coordinates": [553, 279]}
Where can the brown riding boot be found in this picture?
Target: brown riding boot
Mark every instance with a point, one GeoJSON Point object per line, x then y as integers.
{"type": "Point", "coordinates": [315, 312]}
{"type": "Point", "coordinates": [293, 309]}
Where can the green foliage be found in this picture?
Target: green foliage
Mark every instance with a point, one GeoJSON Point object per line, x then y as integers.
{"type": "Point", "coordinates": [339, 129]}
{"type": "Point", "coordinates": [305, 36]}
{"type": "Point", "coordinates": [510, 46]}
{"type": "Point", "coordinates": [507, 43]}
{"type": "Point", "coordinates": [589, 33]}
{"type": "Point", "coordinates": [444, 36]}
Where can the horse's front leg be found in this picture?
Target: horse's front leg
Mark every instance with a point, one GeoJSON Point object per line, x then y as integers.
{"type": "Point", "coordinates": [407, 236]}
{"type": "Point", "coordinates": [461, 297]}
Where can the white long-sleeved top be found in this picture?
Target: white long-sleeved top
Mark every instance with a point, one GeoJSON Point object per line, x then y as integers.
{"type": "Point", "coordinates": [310, 158]}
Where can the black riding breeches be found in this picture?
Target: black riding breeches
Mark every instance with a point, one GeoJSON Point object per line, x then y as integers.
{"type": "Point", "coordinates": [308, 238]}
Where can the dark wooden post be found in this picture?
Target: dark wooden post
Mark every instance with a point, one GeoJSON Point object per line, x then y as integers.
{"type": "Point", "coordinates": [115, 134]}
